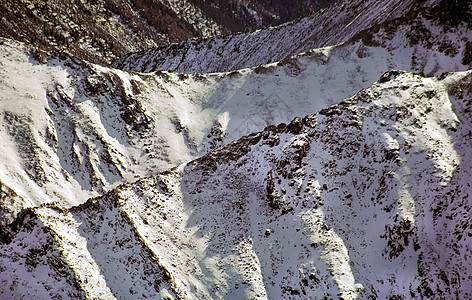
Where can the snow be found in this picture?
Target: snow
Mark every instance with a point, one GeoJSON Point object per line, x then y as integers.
{"type": "Point", "coordinates": [367, 197]}
{"type": "Point", "coordinates": [189, 114]}
{"type": "Point", "coordinates": [213, 235]}
{"type": "Point", "coordinates": [215, 54]}
{"type": "Point", "coordinates": [207, 224]}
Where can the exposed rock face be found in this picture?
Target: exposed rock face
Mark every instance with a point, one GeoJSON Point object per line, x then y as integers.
{"type": "Point", "coordinates": [100, 31]}
{"type": "Point", "coordinates": [373, 201]}
{"type": "Point", "coordinates": [10, 204]}
{"type": "Point", "coordinates": [239, 16]}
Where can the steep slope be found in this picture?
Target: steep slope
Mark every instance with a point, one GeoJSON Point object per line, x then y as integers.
{"type": "Point", "coordinates": [33, 265]}
{"type": "Point", "coordinates": [366, 198]}
{"type": "Point", "coordinates": [73, 257]}
{"type": "Point", "coordinates": [104, 30]}
{"type": "Point", "coordinates": [101, 31]}
{"type": "Point", "coordinates": [249, 15]}
{"type": "Point", "coordinates": [330, 26]}
{"type": "Point", "coordinates": [73, 129]}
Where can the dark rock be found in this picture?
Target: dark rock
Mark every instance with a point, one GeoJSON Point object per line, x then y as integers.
{"type": "Point", "coordinates": [272, 194]}
{"type": "Point", "coordinates": [295, 126]}
{"type": "Point", "coordinates": [390, 75]}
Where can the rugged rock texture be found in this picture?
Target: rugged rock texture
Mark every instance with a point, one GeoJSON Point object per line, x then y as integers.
{"type": "Point", "coordinates": [328, 27]}
{"type": "Point", "coordinates": [101, 31]}
{"type": "Point", "coordinates": [81, 128]}
{"type": "Point", "coordinates": [372, 201]}
{"type": "Point", "coordinates": [254, 14]}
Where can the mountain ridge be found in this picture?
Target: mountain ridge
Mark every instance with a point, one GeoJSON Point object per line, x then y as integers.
{"type": "Point", "coordinates": [235, 243]}
{"type": "Point", "coordinates": [122, 184]}
{"type": "Point", "coordinates": [103, 30]}
{"type": "Point", "coordinates": [96, 127]}
{"type": "Point", "coordinates": [328, 27]}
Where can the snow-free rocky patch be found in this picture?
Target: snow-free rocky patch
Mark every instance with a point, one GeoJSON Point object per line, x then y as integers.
{"type": "Point", "coordinates": [366, 198]}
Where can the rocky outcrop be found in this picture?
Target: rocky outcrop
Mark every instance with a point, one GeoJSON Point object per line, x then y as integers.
{"type": "Point", "coordinates": [101, 31]}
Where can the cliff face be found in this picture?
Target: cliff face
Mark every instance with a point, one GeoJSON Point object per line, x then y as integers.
{"type": "Point", "coordinates": [369, 197]}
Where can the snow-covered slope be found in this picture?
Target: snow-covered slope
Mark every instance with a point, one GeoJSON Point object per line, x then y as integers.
{"type": "Point", "coordinates": [366, 198]}
{"type": "Point", "coordinates": [72, 129]}
{"type": "Point", "coordinates": [369, 197]}
{"type": "Point", "coordinates": [328, 27]}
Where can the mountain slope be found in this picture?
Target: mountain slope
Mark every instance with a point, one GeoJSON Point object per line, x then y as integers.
{"type": "Point", "coordinates": [104, 30]}
{"type": "Point", "coordinates": [249, 15]}
{"type": "Point", "coordinates": [368, 198]}
{"type": "Point", "coordinates": [101, 31]}
{"type": "Point", "coordinates": [81, 128]}
{"type": "Point", "coordinates": [328, 27]}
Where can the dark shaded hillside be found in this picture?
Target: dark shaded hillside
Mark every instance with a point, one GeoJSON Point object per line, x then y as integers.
{"type": "Point", "coordinates": [95, 30]}
{"type": "Point", "coordinates": [101, 31]}
{"type": "Point", "coordinates": [254, 14]}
